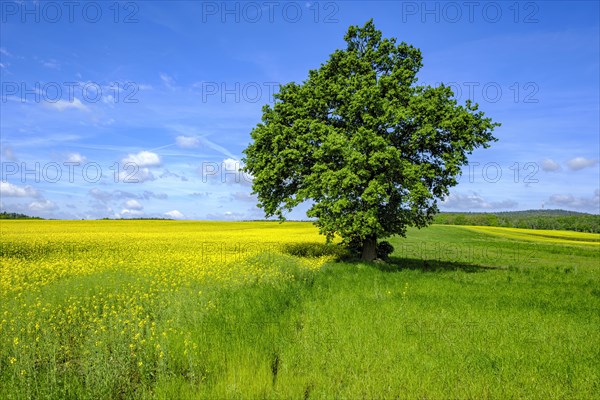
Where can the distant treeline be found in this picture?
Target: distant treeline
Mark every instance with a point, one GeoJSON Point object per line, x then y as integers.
{"type": "Point", "coordinates": [12, 215]}
{"type": "Point", "coordinates": [532, 219]}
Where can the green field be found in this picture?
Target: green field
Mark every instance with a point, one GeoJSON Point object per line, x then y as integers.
{"type": "Point", "coordinates": [178, 309]}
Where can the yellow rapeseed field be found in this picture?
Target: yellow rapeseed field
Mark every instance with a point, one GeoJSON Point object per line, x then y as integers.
{"type": "Point", "coordinates": [72, 289]}
{"type": "Point", "coordinates": [540, 235]}
{"type": "Point", "coordinates": [35, 253]}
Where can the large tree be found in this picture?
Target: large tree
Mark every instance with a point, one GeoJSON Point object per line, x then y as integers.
{"type": "Point", "coordinates": [372, 150]}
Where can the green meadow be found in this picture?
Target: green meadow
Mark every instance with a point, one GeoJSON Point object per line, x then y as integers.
{"type": "Point", "coordinates": [98, 310]}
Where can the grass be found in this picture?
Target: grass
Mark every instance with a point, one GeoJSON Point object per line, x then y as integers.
{"type": "Point", "coordinates": [455, 313]}
{"type": "Point", "coordinates": [541, 235]}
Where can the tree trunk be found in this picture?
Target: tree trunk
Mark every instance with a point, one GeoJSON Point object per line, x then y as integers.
{"type": "Point", "coordinates": [369, 250]}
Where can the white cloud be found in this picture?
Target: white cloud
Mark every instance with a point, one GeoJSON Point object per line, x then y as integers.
{"type": "Point", "coordinates": [227, 171]}
{"type": "Point", "coordinates": [105, 197]}
{"type": "Point", "coordinates": [549, 165]}
{"type": "Point", "coordinates": [100, 195]}
{"type": "Point", "coordinates": [146, 195]}
{"type": "Point", "coordinates": [136, 176]}
{"type": "Point", "coordinates": [168, 174]}
{"type": "Point", "coordinates": [167, 81]}
{"type": "Point", "coordinates": [187, 130]}
{"type": "Point", "coordinates": [578, 163]}
{"type": "Point", "coordinates": [9, 190]}
{"type": "Point", "coordinates": [53, 64]}
{"type": "Point", "coordinates": [187, 142]}
{"type": "Point", "coordinates": [143, 159]}
{"type": "Point", "coordinates": [474, 201]}
{"type": "Point", "coordinates": [42, 205]}
{"type": "Point", "coordinates": [230, 165]}
{"type": "Point", "coordinates": [130, 213]}
{"type": "Point", "coordinates": [200, 194]}
{"type": "Point", "coordinates": [227, 215]}
{"type": "Point", "coordinates": [174, 214]}
{"type": "Point", "coordinates": [108, 99]}
{"type": "Point", "coordinates": [133, 205]}
{"type": "Point", "coordinates": [62, 105]}
{"type": "Point", "coordinates": [76, 158]}
{"type": "Point", "coordinates": [581, 203]}
{"type": "Point", "coordinates": [7, 153]}
{"type": "Point", "coordinates": [243, 196]}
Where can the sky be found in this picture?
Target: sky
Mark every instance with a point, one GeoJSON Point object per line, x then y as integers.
{"type": "Point", "coordinates": [142, 108]}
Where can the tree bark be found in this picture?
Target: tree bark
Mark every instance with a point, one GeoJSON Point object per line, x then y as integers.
{"type": "Point", "coordinates": [369, 250]}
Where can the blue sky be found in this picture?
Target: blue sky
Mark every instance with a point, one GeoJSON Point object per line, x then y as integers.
{"type": "Point", "coordinates": [143, 108]}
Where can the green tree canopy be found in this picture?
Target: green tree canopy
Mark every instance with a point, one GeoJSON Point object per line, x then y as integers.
{"type": "Point", "coordinates": [371, 149]}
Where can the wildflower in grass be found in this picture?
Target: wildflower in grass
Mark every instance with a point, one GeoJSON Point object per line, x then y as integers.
{"type": "Point", "coordinates": [405, 292]}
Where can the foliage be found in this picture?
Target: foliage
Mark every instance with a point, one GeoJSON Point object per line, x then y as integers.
{"type": "Point", "coordinates": [370, 149]}
{"type": "Point", "coordinates": [355, 246]}
{"type": "Point", "coordinates": [384, 249]}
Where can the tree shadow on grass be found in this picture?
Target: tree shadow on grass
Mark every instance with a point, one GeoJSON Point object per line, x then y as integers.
{"type": "Point", "coordinates": [395, 264]}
